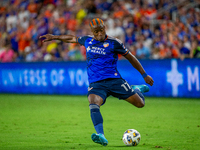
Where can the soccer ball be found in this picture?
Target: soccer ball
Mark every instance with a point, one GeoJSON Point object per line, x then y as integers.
{"type": "Point", "coordinates": [131, 137]}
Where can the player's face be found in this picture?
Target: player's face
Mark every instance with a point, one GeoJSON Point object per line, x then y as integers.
{"type": "Point", "coordinates": [99, 33]}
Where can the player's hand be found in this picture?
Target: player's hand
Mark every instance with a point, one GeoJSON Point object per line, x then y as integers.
{"type": "Point", "coordinates": [149, 80]}
{"type": "Point", "coordinates": [48, 37]}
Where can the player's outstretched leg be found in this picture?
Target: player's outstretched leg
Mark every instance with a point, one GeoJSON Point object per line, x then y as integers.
{"type": "Point", "coordinates": [142, 88]}
{"type": "Point", "coordinates": [100, 139]}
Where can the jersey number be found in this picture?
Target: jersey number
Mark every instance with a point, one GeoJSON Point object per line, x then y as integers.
{"type": "Point", "coordinates": [126, 86]}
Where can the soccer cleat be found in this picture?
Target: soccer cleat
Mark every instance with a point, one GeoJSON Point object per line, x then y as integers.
{"type": "Point", "coordinates": [143, 88]}
{"type": "Point", "coordinates": [99, 138]}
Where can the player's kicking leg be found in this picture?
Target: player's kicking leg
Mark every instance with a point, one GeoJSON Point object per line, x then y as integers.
{"type": "Point", "coordinates": [95, 103]}
{"type": "Point", "coordinates": [143, 88]}
{"type": "Point", "coordinates": [138, 99]}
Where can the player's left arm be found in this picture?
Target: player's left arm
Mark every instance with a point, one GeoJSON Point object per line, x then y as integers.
{"type": "Point", "coordinates": [137, 65]}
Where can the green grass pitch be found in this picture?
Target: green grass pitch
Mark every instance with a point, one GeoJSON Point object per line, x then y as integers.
{"type": "Point", "coordinates": [55, 122]}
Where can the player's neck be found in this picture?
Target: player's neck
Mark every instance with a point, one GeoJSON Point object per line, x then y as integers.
{"type": "Point", "coordinates": [106, 36]}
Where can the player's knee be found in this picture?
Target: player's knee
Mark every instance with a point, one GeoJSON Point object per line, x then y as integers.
{"type": "Point", "coordinates": [95, 99]}
{"type": "Point", "coordinates": [140, 105]}
{"type": "Point", "coordinates": [94, 102]}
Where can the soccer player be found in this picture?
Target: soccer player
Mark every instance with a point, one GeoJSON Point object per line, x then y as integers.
{"type": "Point", "coordinates": [103, 76]}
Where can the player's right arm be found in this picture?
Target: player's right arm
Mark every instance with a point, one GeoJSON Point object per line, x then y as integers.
{"type": "Point", "coordinates": [64, 38]}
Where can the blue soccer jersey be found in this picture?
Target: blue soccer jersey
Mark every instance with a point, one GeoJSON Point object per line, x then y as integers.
{"type": "Point", "coordinates": [102, 57]}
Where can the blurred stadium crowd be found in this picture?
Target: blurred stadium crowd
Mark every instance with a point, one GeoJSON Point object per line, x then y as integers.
{"type": "Point", "coordinates": [150, 29]}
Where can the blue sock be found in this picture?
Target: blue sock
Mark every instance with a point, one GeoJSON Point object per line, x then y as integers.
{"type": "Point", "coordinates": [140, 94]}
{"type": "Point", "coordinates": [96, 118]}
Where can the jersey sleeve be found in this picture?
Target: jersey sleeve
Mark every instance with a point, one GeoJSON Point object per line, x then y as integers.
{"type": "Point", "coordinates": [81, 40]}
{"type": "Point", "coordinates": [120, 48]}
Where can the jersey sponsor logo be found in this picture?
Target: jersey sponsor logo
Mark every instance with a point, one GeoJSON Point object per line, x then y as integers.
{"type": "Point", "coordinates": [106, 44]}
{"type": "Point", "coordinates": [88, 49]}
{"type": "Point", "coordinates": [97, 50]}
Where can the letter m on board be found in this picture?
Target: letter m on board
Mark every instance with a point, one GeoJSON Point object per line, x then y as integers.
{"type": "Point", "coordinates": [193, 78]}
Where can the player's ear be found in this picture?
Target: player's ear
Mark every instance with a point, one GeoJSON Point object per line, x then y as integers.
{"type": "Point", "coordinates": [105, 28]}
{"type": "Point", "coordinates": [91, 29]}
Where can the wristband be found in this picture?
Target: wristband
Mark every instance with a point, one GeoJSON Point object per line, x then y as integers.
{"type": "Point", "coordinates": [144, 75]}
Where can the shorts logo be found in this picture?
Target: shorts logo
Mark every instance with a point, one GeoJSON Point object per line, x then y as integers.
{"type": "Point", "coordinates": [106, 44]}
{"type": "Point", "coordinates": [89, 89]}
{"type": "Point", "coordinates": [115, 74]}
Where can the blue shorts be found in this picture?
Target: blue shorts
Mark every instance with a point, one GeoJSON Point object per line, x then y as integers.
{"type": "Point", "coordinates": [116, 87]}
